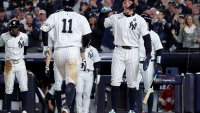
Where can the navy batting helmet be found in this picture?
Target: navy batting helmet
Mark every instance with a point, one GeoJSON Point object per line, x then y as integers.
{"type": "Point", "coordinates": [14, 24]}
{"type": "Point", "coordinates": [69, 3]}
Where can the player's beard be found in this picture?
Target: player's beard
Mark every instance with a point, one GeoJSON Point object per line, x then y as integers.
{"type": "Point", "coordinates": [14, 34]}
{"type": "Point", "coordinates": [128, 11]}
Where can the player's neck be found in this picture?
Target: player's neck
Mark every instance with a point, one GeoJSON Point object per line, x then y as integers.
{"type": "Point", "coordinates": [68, 8]}
{"type": "Point", "coordinates": [129, 13]}
{"type": "Point", "coordinates": [14, 35]}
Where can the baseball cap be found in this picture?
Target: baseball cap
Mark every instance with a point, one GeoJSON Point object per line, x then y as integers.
{"type": "Point", "coordinates": [181, 15]}
{"type": "Point", "coordinates": [42, 12]}
{"type": "Point", "coordinates": [93, 15]}
{"type": "Point", "coordinates": [22, 9]}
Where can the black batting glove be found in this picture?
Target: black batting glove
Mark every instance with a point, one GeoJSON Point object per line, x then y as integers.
{"type": "Point", "coordinates": [158, 69]}
{"type": "Point", "coordinates": [146, 62]}
{"type": "Point", "coordinates": [47, 72]}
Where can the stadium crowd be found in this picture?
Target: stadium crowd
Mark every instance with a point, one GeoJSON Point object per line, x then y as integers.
{"type": "Point", "coordinates": [175, 21]}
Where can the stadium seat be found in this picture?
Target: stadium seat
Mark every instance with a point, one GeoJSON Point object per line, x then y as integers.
{"type": "Point", "coordinates": [171, 71]}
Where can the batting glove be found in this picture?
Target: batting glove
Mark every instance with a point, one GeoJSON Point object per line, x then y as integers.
{"type": "Point", "coordinates": [146, 62]}
{"type": "Point", "coordinates": [46, 51]}
{"type": "Point", "coordinates": [83, 65]}
{"type": "Point", "coordinates": [47, 72]}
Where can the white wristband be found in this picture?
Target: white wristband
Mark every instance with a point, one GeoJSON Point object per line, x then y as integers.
{"type": "Point", "coordinates": [158, 60]}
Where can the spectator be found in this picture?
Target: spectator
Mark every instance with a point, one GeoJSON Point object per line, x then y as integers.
{"type": "Point", "coordinates": [96, 33]}
{"type": "Point", "coordinates": [29, 6]}
{"type": "Point", "coordinates": [189, 36]}
{"type": "Point", "coordinates": [153, 12]}
{"type": "Point", "coordinates": [22, 13]}
{"type": "Point", "coordinates": [94, 6]}
{"type": "Point", "coordinates": [36, 14]}
{"type": "Point", "coordinates": [3, 21]}
{"type": "Point", "coordinates": [84, 9]}
{"type": "Point", "coordinates": [39, 3]}
{"type": "Point", "coordinates": [196, 14]}
{"type": "Point", "coordinates": [162, 28]}
{"type": "Point", "coordinates": [15, 4]}
{"type": "Point", "coordinates": [177, 26]}
{"type": "Point", "coordinates": [161, 4]}
{"type": "Point", "coordinates": [170, 12]}
{"type": "Point", "coordinates": [32, 31]}
{"type": "Point", "coordinates": [166, 99]}
{"type": "Point", "coordinates": [188, 7]}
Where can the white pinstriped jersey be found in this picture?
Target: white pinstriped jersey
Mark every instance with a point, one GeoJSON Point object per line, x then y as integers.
{"type": "Point", "coordinates": [156, 45]}
{"type": "Point", "coordinates": [127, 30]}
{"type": "Point", "coordinates": [14, 46]}
{"type": "Point", "coordinates": [91, 56]}
{"type": "Point", "coordinates": [51, 38]}
{"type": "Point", "coordinates": [69, 27]}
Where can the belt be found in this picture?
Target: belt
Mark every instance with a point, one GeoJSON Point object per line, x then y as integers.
{"type": "Point", "coordinates": [126, 47]}
{"type": "Point", "coordinates": [87, 70]}
{"type": "Point", "coordinates": [143, 61]}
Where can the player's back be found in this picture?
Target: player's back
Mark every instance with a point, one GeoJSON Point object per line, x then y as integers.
{"type": "Point", "coordinates": [69, 28]}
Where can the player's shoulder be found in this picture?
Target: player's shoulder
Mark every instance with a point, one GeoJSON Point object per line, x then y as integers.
{"type": "Point", "coordinates": [91, 47]}
{"type": "Point", "coordinates": [5, 35]}
{"type": "Point", "coordinates": [139, 17]}
{"type": "Point", "coordinates": [154, 34]}
{"type": "Point", "coordinates": [23, 35]}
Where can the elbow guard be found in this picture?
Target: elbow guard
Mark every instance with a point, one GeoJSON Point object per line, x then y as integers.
{"type": "Point", "coordinates": [158, 56]}
{"type": "Point", "coordinates": [86, 40]}
{"type": "Point", "coordinates": [45, 38]}
{"type": "Point", "coordinates": [25, 50]}
{"type": "Point", "coordinates": [147, 44]}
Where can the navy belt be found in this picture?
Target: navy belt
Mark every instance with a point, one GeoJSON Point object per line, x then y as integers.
{"type": "Point", "coordinates": [143, 61]}
{"type": "Point", "coordinates": [126, 47]}
{"type": "Point", "coordinates": [87, 70]}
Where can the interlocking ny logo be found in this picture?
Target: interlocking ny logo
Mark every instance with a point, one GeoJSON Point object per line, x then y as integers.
{"type": "Point", "coordinates": [132, 25]}
{"type": "Point", "coordinates": [21, 44]}
{"type": "Point", "coordinates": [90, 54]}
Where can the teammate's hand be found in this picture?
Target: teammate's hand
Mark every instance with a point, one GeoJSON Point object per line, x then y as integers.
{"type": "Point", "coordinates": [47, 72]}
{"type": "Point", "coordinates": [83, 65]}
{"type": "Point", "coordinates": [158, 69]}
{"type": "Point", "coordinates": [146, 62]}
{"type": "Point", "coordinates": [46, 51]}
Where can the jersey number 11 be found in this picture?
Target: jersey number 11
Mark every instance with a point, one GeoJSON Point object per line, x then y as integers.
{"type": "Point", "coordinates": [64, 26]}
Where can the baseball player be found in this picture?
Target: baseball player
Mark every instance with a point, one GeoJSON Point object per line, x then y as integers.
{"type": "Point", "coordinates": [147, 75]}
{"type": "Point", "coordinates": [15, 42]}
{"type": "Point", "coordinates": [85, 79]}
{"type": "Point", "coordinates": [57, 76]}
{"type": "Point", "coordinates": [127, 29]}
{"type": "Point", "coordinates": [72, 31]}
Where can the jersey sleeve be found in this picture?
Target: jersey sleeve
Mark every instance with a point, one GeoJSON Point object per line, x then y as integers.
{"type": "Point", "coordinates": [50, 39]}
{"type": "Point", "coordinates": [96, 56]}
{"type": "Point", "coordinates": [156, 41]}
{"type": "Point", "coordinates": [26, 40]}
{"type": "Point", "coordinates": [2, 42]}
{"type": "Point", "coordinates": [48, 24]}
{"type": "Point", "coordinates": [143, 27]}
{"type": "Point", "coordinates": [108, 22]}
{"type": "Point", "coordinates": [85, 27]}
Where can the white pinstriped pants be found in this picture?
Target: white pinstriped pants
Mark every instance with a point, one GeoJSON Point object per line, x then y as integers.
{"type": "Point", "coordinates": [124, 59]}
{"type": "Point", "coordinates": [83, 91]}
{"type": "Point", "coordinates": [17, 70]}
